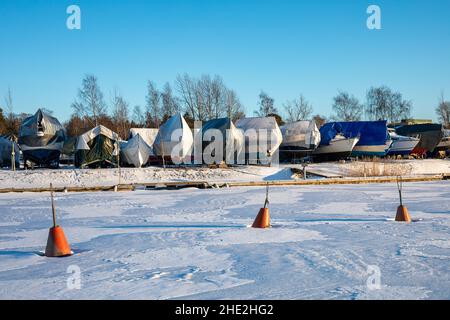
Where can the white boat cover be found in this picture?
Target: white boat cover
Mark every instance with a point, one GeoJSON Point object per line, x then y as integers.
{"type": "Point", "coordinates": [148, 134]}
{"type": "Point", "coordinates": [6, 147]}
{"type": "Point", "coordinates": [135, 151]}
{"type": "Point", "coordinates": [84, 139]}
{"type": "Point", "coordinates": [251, 129]}
{"type": "Point", "coordinates": [301, 135]}
{"type": "Point", "coordinates": [174, 136]}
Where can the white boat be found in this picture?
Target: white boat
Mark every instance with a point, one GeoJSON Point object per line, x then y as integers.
{"type": "Point", "coordinates": [135, 151]}
{"type": "Point", "coordinates": [445, 142]}
{"type": "Point", "coordinates": [379, 150]}
{"type": "Point", "coordinates": [340, 147]}
{"type": "Point", "coordinates": [300, 135]}
{"type": "Point", "coordinates": [174, 140]}
{"type": "Point", "coordinates": [401, 145]}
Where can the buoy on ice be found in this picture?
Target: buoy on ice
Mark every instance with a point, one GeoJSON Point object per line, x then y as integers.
{"type": "Point", "coordinates": [57, 245]}
{"type": "Point", "coordinates": [262, 220]}
{"type": "Point", "coordinates": [402, 212]}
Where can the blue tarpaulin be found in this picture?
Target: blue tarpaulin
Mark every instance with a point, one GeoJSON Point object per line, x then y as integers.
{"type": "Point", "coordinates": [370, 133]}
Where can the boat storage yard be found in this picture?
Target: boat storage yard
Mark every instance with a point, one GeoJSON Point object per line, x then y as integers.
{"type": "Point", "coordinates": [326, 241]}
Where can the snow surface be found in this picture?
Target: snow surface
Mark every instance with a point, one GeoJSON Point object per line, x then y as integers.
{"type": "Point", "coordinates": [69, 177]}
{"type": "Point", "coordinates": [196, 244]}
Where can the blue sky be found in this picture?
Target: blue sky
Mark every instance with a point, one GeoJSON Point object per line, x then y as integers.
{"type": "Point", "coordinates": [283, 47]}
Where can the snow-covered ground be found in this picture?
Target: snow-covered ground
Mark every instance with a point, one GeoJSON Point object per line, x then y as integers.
{"type": "Point", "coordinates": [196, 244]}
{"type": "Point", "coordinates": [69, 177]}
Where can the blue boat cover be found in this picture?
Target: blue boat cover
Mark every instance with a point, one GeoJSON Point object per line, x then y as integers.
{"type": "Point", "coordinates": [370, 133]}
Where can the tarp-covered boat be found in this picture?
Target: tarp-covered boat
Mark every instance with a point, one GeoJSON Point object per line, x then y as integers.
{"type": "Point", "coordinates": [262, 138]}
{"type": "Point", "coordinates": [373, 136]}
{"type": "Point", "coordinates": [41, 138]}
{"type": "Point", "coordinates": [444, 145]}
{"type": "Point", "coordinates": [430, 136]}
{"type": "Point", "coordinates": [300, 139]}
{"type": "Point", "coordinates": [97, 148]}
{"type": "Point", "coordinates": [6, 152]}
{"type": "Point", "coordinates": [401, 145]}
{"type": "Point", "coordinates": [333, 144]}
{"type": "Point", "coordinates": [135, 151]}
{"type": "Point", "coordinates": [148, 134]}
{"type": "Point", "coordinates": [174, 140]}
{"type": "Point", "coordinates": [231, 139]}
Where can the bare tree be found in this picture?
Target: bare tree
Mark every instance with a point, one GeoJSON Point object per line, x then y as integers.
{"type": "Point", "coordinates": [266, 105]}
{"type": "Point", "coordinates": [90, 103]}
{"type": "Point", "coordinates": [346, 107]}
{"type": "Point", "coordinates": [234, 108]}
{"type": "Point", "coordinates": [298, 109]}
{"type": "Point", "coordinates": [138, 116]}
{"type": "Point", "coordinates": [207, 98]}
{"type": "Point", "coordinates": [385, 104]}
{"type": "Point", "coordinates": [320, 120]}
{"type": "Point", "coordinates": [9, 105]}
{"type": "Point", "coordinates": [120, 114]}
{"type": "Point", "coordinates": [153, 106]}
{"type": "Point", "coordinates": [170, 104]}
{"type": "Point", "coordinates": [443, 111]}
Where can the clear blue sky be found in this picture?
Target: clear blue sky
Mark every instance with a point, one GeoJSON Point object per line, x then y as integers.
{"type": "Point", "coordinates": [283, 47]}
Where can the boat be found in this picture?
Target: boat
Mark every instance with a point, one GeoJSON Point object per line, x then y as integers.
{"type": "Point", "coordinates": [135, 152]}
{"type": "Point", "coordinates": [214, 132]}
{"type": "Point", "coordinates": [429, 135]}
{"type": "Point", "coordinates": [7, 145]}
{"type": "Point", "coordinates": [41, 139]}
{"type": "Point", "coordinates": [97, 148]}
{"type": "Point", "coordinates": [339, 147]}
{"type": "Point", "coordinates": [444, 144]}
{"type": "Point", "coordinates": [300, 139]}
{"type": "Point", "coordinates": [175, 140]}
{"type": "Point", "coordinates": [263, 137]}
{"type": "Point", "coordinates": [401, 145]}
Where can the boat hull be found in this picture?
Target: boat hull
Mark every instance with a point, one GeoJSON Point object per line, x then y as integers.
{"type": "Point", "coordinates": [371, 151]}
{"type": "Point", "coordinates": [402, 147]}
{"type": "Point", "coordinates": [339, 149]}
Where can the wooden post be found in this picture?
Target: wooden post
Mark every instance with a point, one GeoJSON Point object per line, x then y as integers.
{"type": "Point", "coordinates": [266, 202]}
{"type": "Point", "coordinates": [53, 206]}
{"type": "Point", "coordinates": [399, 187]}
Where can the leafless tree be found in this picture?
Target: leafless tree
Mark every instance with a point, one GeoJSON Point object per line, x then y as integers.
{"type": "Point", "coordinates": [170, 103]}
{"type": "Point", "coordinates": [266, 105]}
{"type": "Point", "coordinates": [90, 103]}
{"type": "Point", "coordinates": [207, 98]}
{"type": "Point", "coordinates": [138, 116]}
{"type": "Point", "coordinates": [298, 109]}
{"type": "Point", "coordinates": [153, 105]}
{"type": "Point", "coordinates": [346, 107]}
{"type": "Point", "coordinates": [9, 105]}
{"type": "Point", "coordinates": [443, 111]}
{"type": "Point", "coordinates": [120, 114]}
{"type": "Point", "coordinates": [385, 104]}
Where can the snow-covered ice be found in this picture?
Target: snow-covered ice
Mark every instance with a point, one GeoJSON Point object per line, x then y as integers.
{"type": "Point", "coordinates": [196, 244]}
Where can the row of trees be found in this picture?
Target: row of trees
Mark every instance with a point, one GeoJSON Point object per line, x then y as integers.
{"type": "Point", "coordinates": [206, 98]}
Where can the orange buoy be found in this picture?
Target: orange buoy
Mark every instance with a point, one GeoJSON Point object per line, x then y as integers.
{"type": "Point", "coordinates": [402, 214]}
{"type": "Point", "coordinates": [57, 245]}
{"type": "Point", "coordinates": [262, 220]}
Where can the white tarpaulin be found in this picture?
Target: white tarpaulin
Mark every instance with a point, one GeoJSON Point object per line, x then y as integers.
{"type": "Point", "coordinates": [83, 140]}
{"type": "Point", "coordinates": [174, 138]}
{"type": "Point", "coordinates": [135, 151]}
{"type": "Point", "coordinates": [302, 135]}
{"type": "Point", "coordinates": [148, 134]}
{"type": "Point", "coordinates": [260, 132]}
